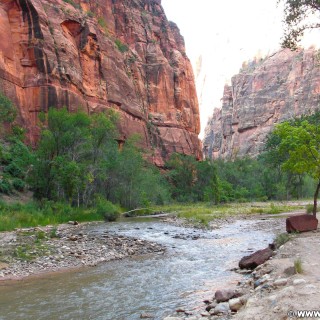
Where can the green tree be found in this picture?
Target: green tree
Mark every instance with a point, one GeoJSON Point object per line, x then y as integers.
{"type": "Point", "coordinates": [299, 146]}
{"type": "Point", "coordinates": [191, 180]}
{"type": "Point", "coordinates": [207, 184]}
{"type": "Point", "coordinates": [296, 14]}
{"type": "Point", "coordinates": [182, 176]}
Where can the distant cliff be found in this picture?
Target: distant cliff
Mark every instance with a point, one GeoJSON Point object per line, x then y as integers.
{"type": "Point", "coordinates": [99, 54]}
{"type": "Point", "coordinates": [280, 87]}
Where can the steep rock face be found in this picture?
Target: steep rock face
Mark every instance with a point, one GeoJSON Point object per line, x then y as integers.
{"type": "Point", "coordinates": [284, 85]}
{"type": "Point", "coordinates": [100, 54]}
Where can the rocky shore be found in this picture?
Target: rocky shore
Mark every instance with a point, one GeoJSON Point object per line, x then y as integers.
{"type": "Point", "coordinates": [39, 250]}
{"type": "Point", "coordinates": [289, 281]}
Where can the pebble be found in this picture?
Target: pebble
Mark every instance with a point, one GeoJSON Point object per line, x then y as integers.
{"type": "Point", "coordinates": [296, 282]}
{"type": "Point", "coordinates": [221, 308]}
{"type": "Point", "coordinates": [235, 304]}
{"type": "Point", "coordinates": [280, 282]}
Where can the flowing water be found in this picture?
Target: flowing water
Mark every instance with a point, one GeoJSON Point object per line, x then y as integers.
{"type": "Point", "coordinates": [196, 263]}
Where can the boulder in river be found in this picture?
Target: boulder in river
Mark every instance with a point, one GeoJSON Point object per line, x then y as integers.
{"type": "Point", "coordinates": [255, 259]}
{"type": "Point", "coordinates": [301, 223]}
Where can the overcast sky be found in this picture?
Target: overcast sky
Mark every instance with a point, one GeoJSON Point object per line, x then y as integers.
{"type": "Point", "coordinates": [225, 34]}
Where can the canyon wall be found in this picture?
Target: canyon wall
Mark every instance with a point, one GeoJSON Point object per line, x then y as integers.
{"type": "Point", "coordinates": [99, 54]}
{"type": "Point", "coordinates": [265, 92]}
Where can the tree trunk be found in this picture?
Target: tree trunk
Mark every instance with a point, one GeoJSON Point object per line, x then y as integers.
{"type": "Point", "coordinates": [315, 200]}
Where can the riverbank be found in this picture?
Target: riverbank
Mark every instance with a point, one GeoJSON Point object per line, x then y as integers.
{"type": "Point", "coordinates": [41, 250]}
{"type": "Point", "coordinates": [277, 289]}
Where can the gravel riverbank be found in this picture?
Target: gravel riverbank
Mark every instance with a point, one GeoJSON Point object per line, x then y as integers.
{"type": "Point", "coordinates": [274, 290]}
{"type": "Point", "coordinates": [39, 250]}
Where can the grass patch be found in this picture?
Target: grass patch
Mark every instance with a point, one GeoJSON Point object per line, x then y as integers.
{"type": "Point", "coordinates": [34, 214]}
{"type": "Point", "coordinates": [205, 212]}
{"type": "Point", "coordinates": [309, 209]}
{"type": "Point", "coordinates": [298, 266]}
{"type": "Point", "coordinates": [281, 239]}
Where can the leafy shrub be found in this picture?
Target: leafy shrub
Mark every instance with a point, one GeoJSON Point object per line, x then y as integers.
{"type": "Point", "coordinates": [5, 186]}
{"type": "Point", "coordinates": [14, 170]}
{"type": "Point", "coordinates": [18, 184]}
{"type": "Point", "coordinates": [7, 109]}
{"type": "Point", "coordinates": [274, 209]}
{"type": "Point", "coordinates": [309, 208]}
{"type": "Point", "coordinates": [107, 209]}
{"type": "Point", "coordinates": [90, 14]}
{"type": "Point", "coordinates": [121, 46]}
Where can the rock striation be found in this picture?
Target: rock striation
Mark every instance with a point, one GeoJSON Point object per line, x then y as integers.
{"type": "Point", "coordinates": [95, 55]}
{"type": "Point", "coordinates": [265, 92]}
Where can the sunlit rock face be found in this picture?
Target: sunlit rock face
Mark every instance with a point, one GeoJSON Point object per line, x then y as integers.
{"type": "Point", "coordinates": [99, 54]}
{"type": "Point", "coordinates": [265, 92]}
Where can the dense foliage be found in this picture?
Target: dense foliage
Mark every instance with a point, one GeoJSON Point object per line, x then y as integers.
{"type": "Point", "coordinates": [296, 145]}
{"type": "Point", "coordinates": [299, 15]}
{"type": "Point", "coordinates": [78, 165]}
{"type": "Point", "coordinates": [191, 180]}
{"type": "Point", "coordinates": [78, 160]}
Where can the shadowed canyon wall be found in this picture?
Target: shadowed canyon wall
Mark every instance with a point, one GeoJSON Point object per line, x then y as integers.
{"type": "Point", "coordinates": [99, 54]}
{"type": "Point", "coordinates": [265, 92]}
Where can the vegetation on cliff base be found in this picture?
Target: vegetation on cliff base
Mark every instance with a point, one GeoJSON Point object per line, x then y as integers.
{"type": "Point", "coordinates": [78, 172]}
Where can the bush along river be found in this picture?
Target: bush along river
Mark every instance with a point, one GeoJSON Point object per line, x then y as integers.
{"type": "Point", "coordinates": [152, 281]}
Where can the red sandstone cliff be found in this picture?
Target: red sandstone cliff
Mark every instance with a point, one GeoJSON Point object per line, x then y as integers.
{"type": "Point", "coordinates": [265, 92]}
{"type": "Point", "coordinates": [99, 54]}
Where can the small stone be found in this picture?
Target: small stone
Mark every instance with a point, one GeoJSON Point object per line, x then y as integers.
{"type": "Point", "coordinates": [211, 306]}
{"type": "Point", "coordinates": [225, 295]}
{"type": "Point", "coordinates": [311, 286]}
{"type": "Point", "coordinates": [297, 282]}
{"type": "Point", "coordinates": [280, 282]}
{"type": "Point", "coordinates": [221, 308]}
{"type": "Point", "coordinates": [277, 309]}
{"type": "Point", "coordinates": [3, 266]}
{"type": "Point", "coordinates": [272, 298]}
{"type": "Point", "coordinates": [74, 223]}
{"type": "Point", "coordinates": [235, 304]}
{"type": "Point", "coordinates": [180, 310]}
{"type": "Point", "coordinates": [244, 299]}
{"type": "Point", "coordinates": [205, 314]}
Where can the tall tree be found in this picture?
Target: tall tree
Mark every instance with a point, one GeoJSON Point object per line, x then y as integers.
{"type": "Point", "coordinates": [299, 15]}
{"type": "Point", "coordinates": [299, 146]}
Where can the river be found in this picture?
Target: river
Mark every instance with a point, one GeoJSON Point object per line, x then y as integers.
{"type": "Point", "coordinates": [195, 264]}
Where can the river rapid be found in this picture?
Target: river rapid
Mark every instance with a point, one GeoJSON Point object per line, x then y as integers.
{"type": "Point", "coordinates": [195, 264]}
